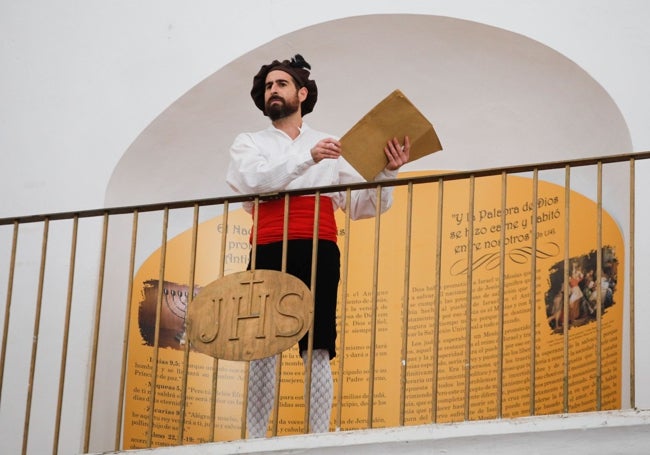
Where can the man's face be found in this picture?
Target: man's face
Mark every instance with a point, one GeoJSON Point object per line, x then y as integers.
{"type": "Point", "coordinates": [281, 96]}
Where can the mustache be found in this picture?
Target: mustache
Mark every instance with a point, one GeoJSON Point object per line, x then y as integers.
{"type": "Point", "coordinates": [275, 98]}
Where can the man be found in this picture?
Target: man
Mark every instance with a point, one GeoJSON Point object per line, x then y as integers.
{"type": "Point", "coordinates": [290, 155]}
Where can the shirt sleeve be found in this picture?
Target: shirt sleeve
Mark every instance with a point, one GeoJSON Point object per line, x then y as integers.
{"type": "Point", "coordinates": [255, 171]}
{"type": "Point", "coordinates": [363, 203]}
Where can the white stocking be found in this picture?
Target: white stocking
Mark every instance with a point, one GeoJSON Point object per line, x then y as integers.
{"type": "Point", "coordinates": [261, 391]}
{"type": "Point", "coordinates": [322, 390]}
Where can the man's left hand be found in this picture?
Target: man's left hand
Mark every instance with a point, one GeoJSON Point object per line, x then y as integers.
{"type": "Point", "coordinates": [397, 154]}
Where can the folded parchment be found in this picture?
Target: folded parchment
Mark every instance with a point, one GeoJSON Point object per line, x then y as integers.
{"type": "Point", "coordinates": [395, 116]}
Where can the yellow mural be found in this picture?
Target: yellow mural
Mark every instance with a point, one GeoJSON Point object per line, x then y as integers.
{"type": "Point", "coordinates": [465, 382]}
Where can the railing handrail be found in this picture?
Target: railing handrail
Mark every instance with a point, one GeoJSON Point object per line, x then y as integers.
{"type": "Point", "coordinates": [429, 305]}
{"type": "Point", "coordinates": [444, 176]}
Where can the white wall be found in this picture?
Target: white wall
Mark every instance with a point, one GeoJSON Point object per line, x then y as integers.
{"type": "Point", "coordinates": [80, 80]}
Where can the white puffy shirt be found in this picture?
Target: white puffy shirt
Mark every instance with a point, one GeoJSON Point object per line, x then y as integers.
{"type": "Point", "coordinates": [270, 161]}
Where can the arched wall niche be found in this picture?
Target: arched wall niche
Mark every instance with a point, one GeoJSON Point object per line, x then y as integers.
{"type": "Point", "coordinates": [496, 98]}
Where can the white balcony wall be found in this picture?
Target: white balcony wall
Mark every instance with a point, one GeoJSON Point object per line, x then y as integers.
{"type": "Point", "coordinates": [82, 81]}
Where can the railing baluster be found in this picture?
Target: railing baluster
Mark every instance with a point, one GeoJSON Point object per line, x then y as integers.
{"type": "Point", "coordinates": [186, 344]}
{"type": "Point", "coordinates": [156, 341]}
{"type": "Point", "coordinates": [96, 326]}
{"type": "Point", "coordinates": [66, 333]}
{"type": "Point", "coordinates": [405, 305]}
{"type": "Point", "coordinates": [37, 323]}
{"type": "Point", "coordinates": [214, 387]}
{"type": "Point", "coordinates": [468, 305]}
{"type": "Point", "coordinates": [599, 269]}
{"type": "Point", "coordinates": [10, 285]}
{"type": "Point", "coordinates": [565, 317]}
{"type": "Point", "coordinates": [253, 265]}
{"type": "Point", "coordinates": [278, 361]}
{"type": "Point", "coordinates": [125, 339]}
{"type": "Point", "coordinates": [533, 295]}
{"type": "Point", "coordinates": [344, 301]}
{"type": "Point", "coordinates": [215, 362]}
{"type": "Point", "coordinates": [437, 304]}
{"type": "Point", "coordinates": [310, 337]}
{"type": "Point", "coordinates": [502, 283]}
{"type": "Point", "coordinates": [632, 286]}
{"type": "Point", "coordinates": [373, 317]}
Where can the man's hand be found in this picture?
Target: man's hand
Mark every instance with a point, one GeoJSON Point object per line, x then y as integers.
{"type": "Point", "coordinates": [397, 153]}
{"type": "Point", "coordinates": [326, 149]}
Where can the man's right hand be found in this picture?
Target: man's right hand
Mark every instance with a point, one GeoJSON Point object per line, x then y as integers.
{"type": "Point", "coordinates": [328, 148]}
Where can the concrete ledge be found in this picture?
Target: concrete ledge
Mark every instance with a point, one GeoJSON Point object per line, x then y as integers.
{"type": "Point", "coordinates": [620, 432]}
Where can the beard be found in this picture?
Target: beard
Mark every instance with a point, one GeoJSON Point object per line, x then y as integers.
{"type": "Point", "coordinates": [284, 108]}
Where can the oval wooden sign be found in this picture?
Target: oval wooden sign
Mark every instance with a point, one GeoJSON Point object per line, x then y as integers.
{"type": "Point", "coordinates": [249, 315]}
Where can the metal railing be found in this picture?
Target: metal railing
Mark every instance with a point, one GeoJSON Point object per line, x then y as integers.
{"type": "Point", "coordinates": [422, 337]}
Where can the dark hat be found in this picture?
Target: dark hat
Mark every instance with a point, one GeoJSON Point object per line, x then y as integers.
{"type": "Point", "coordinates": [298, 68]}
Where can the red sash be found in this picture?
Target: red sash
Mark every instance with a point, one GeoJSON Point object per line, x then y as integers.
{"type": "Point", "coordinates": [301, 219]}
